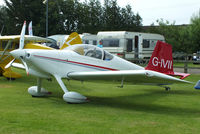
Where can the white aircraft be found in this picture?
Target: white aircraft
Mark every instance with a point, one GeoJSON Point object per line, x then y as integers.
{"type": "Point", "coordinates": [86, 62]}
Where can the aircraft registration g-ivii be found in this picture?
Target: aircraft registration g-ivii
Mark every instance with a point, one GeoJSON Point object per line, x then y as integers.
{"type": "Point", "coordinates": [87, 62]}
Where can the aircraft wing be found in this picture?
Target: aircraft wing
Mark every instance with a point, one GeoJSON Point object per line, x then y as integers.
{"type": "Point", "coordinates": [130, 76]}
{"type": "Point", "coordinates": [27, 38]}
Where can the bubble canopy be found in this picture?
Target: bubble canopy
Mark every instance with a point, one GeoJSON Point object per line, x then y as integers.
{"type": "Point", "coordinates": [91, 51]}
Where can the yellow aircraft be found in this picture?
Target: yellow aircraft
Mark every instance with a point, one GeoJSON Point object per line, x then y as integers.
{"type": "Point", "coordinates": [9, 43]}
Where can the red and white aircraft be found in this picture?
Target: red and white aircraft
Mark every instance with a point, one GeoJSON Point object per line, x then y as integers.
{"type": "Point", "coordinates": [88, 62]}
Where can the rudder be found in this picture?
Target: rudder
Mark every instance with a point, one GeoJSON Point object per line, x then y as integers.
{"type": "Point", "coordinates": [73, 39]}
{"type": "Point", "coordinates": [161, 59]}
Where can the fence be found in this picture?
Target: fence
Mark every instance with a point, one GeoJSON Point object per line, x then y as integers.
{"type": "Point", "coordinates": [180, 60]}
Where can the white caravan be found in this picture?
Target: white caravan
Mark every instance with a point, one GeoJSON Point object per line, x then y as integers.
{"type": "Point", "coordinates": [126, 44]}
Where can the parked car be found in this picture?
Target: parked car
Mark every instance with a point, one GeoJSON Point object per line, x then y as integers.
{"type": "Point", "coordinates": [196, 58]}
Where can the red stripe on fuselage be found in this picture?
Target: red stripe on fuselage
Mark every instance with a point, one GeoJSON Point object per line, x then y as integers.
{"type": "Point", "coordinates": [78, 63]}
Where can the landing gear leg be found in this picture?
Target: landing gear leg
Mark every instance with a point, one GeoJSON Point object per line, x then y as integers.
{"type": "Point", "coordinates": [70, 97]}
{"type": "Point", "coordinates": [122, 83]}
{"type": "Point", "coordinates": [166, 87]}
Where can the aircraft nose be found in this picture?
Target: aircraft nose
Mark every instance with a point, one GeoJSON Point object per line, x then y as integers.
{"type": "Point", "coordinates": [18, 53]}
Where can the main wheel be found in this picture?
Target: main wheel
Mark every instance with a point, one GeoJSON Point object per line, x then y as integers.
{"type": "Point", "coordinates": [167, 88]}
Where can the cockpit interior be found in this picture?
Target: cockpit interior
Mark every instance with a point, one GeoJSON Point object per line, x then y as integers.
{"type": "Point", "coordinates": [91, 51]}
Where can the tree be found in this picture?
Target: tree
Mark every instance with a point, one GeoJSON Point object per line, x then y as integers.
{"type": "Point", "coordinates": [195, 32]}
{"type": "Point", "coordinates": [56, 10]}
{"type": "Point", "coordinates": [176, 35]}
{"type": "Point", "coordinates": [111, 15]}
{"type": "Point", "coordinates": [3, 20]}
{"type": "Point", "coordinates": [129, 21]}
{"type": "Point", "coordinates": [94, 14]}
{"type": "Point", "coordinates": [66, 16]}
{"type": "Point", "coordinates": [29, 10]}
{"type": "Point", "coordinates": [70, 15]}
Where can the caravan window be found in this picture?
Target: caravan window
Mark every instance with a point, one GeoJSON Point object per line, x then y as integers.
{"type": "Point", "coordinates": [110, 42]}
{"type": "Point", "coordinates": [146, 43]}
{"type": "Point", "coordinates": [86, 41]}
{"type": "Point", "coordinates": [94, 42]}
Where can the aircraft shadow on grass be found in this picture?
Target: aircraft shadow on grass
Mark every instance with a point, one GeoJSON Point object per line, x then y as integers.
{"type": "Point", "coordinates": [144, 103]}
{"type": "Point", "coordinates": [141, 102]}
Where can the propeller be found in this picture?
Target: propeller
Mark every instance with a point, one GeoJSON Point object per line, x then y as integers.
{"type": "Point", "coordinates": [20, 53]}
{"type": "Point", "coordinates": [21, 43]}
{"type": "Point", "coordinates": [25, 65]}
{"type": "Point", "coordinates": [10, 63]}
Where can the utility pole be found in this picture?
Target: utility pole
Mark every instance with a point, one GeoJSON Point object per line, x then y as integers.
{"type": "Point", "coordinates": [46, 18]}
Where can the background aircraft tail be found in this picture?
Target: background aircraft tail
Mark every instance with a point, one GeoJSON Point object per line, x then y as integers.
{"type": "Point", "coordinates": [162, 60]}
{"type": "Point", "coordinates": [30, 30]}
{"type": "Point", "coordinates": [73, 39]}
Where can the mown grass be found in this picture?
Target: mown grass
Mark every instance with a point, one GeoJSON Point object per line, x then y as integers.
{"type": "Point", "coordinates": [182, 64]}
{"type": "Point", "coordinates": [111, 110]}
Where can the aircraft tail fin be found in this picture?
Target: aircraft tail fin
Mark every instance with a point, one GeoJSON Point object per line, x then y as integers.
{"type": "Point", "coordinates": [162, 60]}
{"type": "Point", "coordinates": [73, 39]}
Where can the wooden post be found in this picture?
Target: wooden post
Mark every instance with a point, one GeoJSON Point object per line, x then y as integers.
{"type": "Point", "coordinates": [186, 64]}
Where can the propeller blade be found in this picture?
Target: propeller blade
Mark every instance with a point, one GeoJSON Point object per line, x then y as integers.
{"type": "Point", "coordinates": [21, 43]}
{"type": "Point", "coordinates": [25, 65]}
{"type": "Point", "coordinates": [10, 63]}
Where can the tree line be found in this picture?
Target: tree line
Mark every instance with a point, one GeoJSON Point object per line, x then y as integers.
{"type": "Point", "coordinates": [91, 16]}
{"type": "Point", "coordinates": [66, 16]}
{"type": "Point", "coordinates": [183, 38]}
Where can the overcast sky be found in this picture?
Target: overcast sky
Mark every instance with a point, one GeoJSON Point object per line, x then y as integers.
{"type": "Point", "coordinates": [179, 11]}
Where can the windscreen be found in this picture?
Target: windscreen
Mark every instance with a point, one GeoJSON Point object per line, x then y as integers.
{"type": "Point", "coordinates": [91, 51]}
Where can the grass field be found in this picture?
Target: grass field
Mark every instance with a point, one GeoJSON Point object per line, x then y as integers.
{"type": "Point", "coordinates": [111, 110]}
{"type": "Point", "coordinates": [179, 64]}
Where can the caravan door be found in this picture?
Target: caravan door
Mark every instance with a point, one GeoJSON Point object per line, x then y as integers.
{"type": "Point", "coordinates": [129, 47]}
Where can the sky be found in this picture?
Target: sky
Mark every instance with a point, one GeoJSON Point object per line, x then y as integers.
{"type": "Point", "coordinates": [179, 11]}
